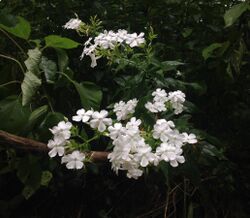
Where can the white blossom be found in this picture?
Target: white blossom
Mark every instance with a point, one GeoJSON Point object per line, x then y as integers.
{"type": "Point", "coordinates": [62, 130]}
{"type": "Point", "coordinates": [190, 139]}
{"type": "Point", "coordinates": [57, 147]}
{"type": "Point", "coordinates": [109, 40]}
{"type": "Point", "coordinates": [83, 115]}
{"type": "Point", "coordinates": [74, 160]}
{"type": "Point", "coordinates": [177, 99]}
{"type": "Point", "coordinates": [134, 40]}
{"type": "Point", "coordinates": [162, 128]}
{"type": "Point", "coordinates": [100, 120]}
{"type": "Point", "coordinates": [116, 130]}
{"type": "Point", "coordinates": [123, 110]}
{"type": "Point", "coordinates": [73, 23]}
{"type": "Point", "coordinates": [170, 154]}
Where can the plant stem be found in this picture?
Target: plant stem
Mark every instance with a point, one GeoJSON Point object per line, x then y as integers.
{"type": "Point", "coordinates": [13, 59]}
{"type": "Point", "coordinates": [8, 83]}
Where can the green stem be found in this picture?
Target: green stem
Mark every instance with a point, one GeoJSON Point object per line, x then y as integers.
{"type": "Point", "coordinates": [8, 83]}
{"type": "Point", "coordinates": [48, 99]}
{"type": "Point", "coordinates": [66, 77]}
{"type": "Point", "coordinates": [13, 59]}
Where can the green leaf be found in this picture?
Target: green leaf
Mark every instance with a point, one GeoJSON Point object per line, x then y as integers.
{"type": "Point", "coordinates": [21, 29]}
{"type": "Point", "coordinates": [28, 191]}
{"type": "Point", "coordinates": [63, 59]}
{"type": "Point", "coordinates": [231, 15]}
{"type": "Point", "coordinates": [29, 86]}
{"type": "Point", "coordinates": [209, 50]}
{"type": "Point", "coordinates": [187, 32]}
{"type": "Point", "coordinates": [46, 177]}
{"type": "Point", "coordinates": [13, 115]}
{"type": "Point", "coordinates": [90, 94]}
{"type": "Point", "coordinates": [49, 68]}
{"type": "Point", "coordinates": [33, 60]}
{"type": "Point", "coordinates": [35, 118]}
{"type": "Point", "coordinates": [56, 41]}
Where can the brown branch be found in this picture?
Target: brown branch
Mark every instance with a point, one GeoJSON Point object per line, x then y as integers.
{"type": "Point", "coordinates": [19, 142]}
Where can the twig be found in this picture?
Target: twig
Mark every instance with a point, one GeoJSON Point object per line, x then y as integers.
{"type": "Point", "coordinates": [27, 144]}
{"type": "Point", "coordinates": [167, 202]}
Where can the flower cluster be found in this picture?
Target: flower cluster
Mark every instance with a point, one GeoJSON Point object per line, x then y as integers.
{"type": "Point", "coordinates": [61, 135]}
{"type": "Point", "coordinates": [73, 24]}
{"type": "Point", "coordinates": [135, 145]}
{"type": "Point", "coordinates": [109, 40]}
{"type": "Point", "coordinates": [161, 98]}
{"type": "Point", "coordinates": [123, 110]}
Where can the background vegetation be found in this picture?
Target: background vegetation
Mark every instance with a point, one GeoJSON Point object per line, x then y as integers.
{"type": "Point", "coordinates": [206, 41]}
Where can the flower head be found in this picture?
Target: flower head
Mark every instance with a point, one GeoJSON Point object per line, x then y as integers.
{"type": "Point", "coordinates": [74, 160]}
{"type": "Point", "coordinates": [100, 121]}
{"type": "Point", "coordinates": [73, 23]}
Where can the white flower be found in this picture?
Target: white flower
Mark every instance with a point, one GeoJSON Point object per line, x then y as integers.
{"type": "Point", "coordinates": [144, 156]}
{"type": "Point", "coordinates": [177, 99]}
{"type": "Point", "coordinates": [123, 110]}
{"type": "Point", "coordinates": [62, 130]}
{"type": "Point", "coordinates": [162, 128]}
{"type": "Point", "coordinates": [109, 40]}
{"type": "Point", "coordinates": [134, 173]}
{"type": "Point", "coordinates": [74, 160]}
{"type": "Point", "coordinates": [116, 130]}
{"type": "Point", "coordinates": [151, 107]}
{"type": "Point", "coordinates": [100, 121]}
{"type": "Point", "coordinates": [175, 138]}
{"type": "Point", "coordinates": [190, 139]}
{"type": "Point", "coordinates": [83, 115]}
{"type": "Point", "coordinates": [57, 147]}
{"type": "Point", "coordinates": [134, 40]}
{"type": "Point", "coordinates": [159, 100]}
{"type": "Point", "coordinates": [160, 95]}
{"type": "Point", "coordinates": [170, 154]}
{"type": "Point", "coordinates": [73, 23]}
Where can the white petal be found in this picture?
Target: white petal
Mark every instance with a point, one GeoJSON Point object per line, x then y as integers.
{"type": "Point", "coordinates": [174, 163]}
{"type": "Point", "coordinates": [76, 118]}
{"type": "Point", "coordinates": [144, 162]}
{"type": "Point", "coordinates": [71, 165]}
{"type": "Point", "coordinates": [60, 151]}
{"type": "Point", "coordinates": [101, 127]}
{"type": "Point", "coordinates": [180, 159]}
{"type": "Point", "coordinates": [78, 165]}
{"type": "Point", "coordinates": [53, 152]}
{"type": "Point", "coordinates": [94, 123]}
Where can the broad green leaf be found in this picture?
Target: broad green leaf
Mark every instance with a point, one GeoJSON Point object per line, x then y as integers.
{"type": "Point", "coordinates": [56, 41]}
{"type": "Point", "coordinates": [46, 177]}
{"type": "Point", "coordinates": [35, 118]}
{"type": "Point", "coordinates": [21, 29]}
{"type": "Point", "coordinates": [29, 86]}
{"type": "Point", "coordinates": [13, 115]}
{"type": "Point", "coordinates": [33, 60]}
{"type": "Point", "coordinates": [63, 59]}
{"type": "Point", "coordinates": [235, 12]}
{"type": "Point", "coordinates": [209, 50]}
{"type": "Point", "coordinates": [49, 68]}
{"type": "Point", "coordinates": [37, 113]}
{"type": "Point", "coordinates": [90, 94]}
